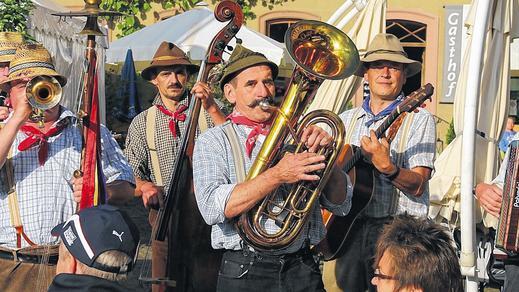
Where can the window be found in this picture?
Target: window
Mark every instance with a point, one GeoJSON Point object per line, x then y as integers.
{"type": "Point", "coordinates": [412, 35]}
{"type": "Point", "coordinates": [276, 28]}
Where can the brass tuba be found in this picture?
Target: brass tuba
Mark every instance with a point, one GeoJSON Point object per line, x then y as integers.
{"type": "Point", "coordinates": [43, 92]}
{"type": "Point", "coordinates": [321, 52]}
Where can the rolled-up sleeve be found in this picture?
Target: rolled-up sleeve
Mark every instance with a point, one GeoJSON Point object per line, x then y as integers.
{"type": "Point", "coordinates": [339, 209]}
{"type": "Point", "coordinates": [421, 147]}
{"type": "Point", "coordinates": [211, 177]}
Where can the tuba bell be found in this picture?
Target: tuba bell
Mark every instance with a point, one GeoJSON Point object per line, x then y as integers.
{"type": "Point", "coordinates": [320, 52]}
{"type": "Point", "coordinates": [43, 92]}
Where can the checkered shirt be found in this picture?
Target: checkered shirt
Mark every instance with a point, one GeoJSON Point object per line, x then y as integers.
{"type": "Point", "coordinates": [137, 150]}
{"type": "Point", "coordinates": [420, 150]}
{"type": "Point", "coordinates": [45, 192]}
{"type": "Point", "coordinates": [214, 176]}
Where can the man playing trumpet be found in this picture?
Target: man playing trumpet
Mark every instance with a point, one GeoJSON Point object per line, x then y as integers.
{"type": "Point", "coordinates": [37, 189]}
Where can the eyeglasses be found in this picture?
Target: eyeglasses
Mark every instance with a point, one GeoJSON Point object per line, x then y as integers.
{"type": "Point", "coordinates": [381, 276]}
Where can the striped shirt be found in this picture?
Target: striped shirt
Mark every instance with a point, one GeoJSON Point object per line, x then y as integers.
{"type": "Point", "coordinates": [214, 176]}
{"type": "Point", "coordinates": [45, 195]}
{"type": "Point", "coordinates": [419, 150]}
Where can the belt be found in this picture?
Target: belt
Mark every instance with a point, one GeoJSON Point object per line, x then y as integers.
{"type": "Point", "coordinates": [265, 255]}
{"type": "Point", "coordinates": [27, 258]}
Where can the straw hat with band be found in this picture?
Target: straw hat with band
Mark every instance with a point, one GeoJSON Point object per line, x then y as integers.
{"type": "Point", "coordinates": [387, 47]}
{"type": "Point", "coordinates": [9, 42]}
{"type": "Point", "coordinates": [168, 55]}
{"type": "Point", "coordinates": [241, 59]}
{"type": "Point", "coordinates": [32, 60]}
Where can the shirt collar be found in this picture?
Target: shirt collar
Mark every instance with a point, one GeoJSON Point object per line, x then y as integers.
{"type": "Point", "coordinates": [372, 118]}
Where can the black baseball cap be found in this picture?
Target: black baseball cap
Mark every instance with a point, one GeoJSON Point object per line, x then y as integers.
{"type": "Point", "coordinates": [95, 230]}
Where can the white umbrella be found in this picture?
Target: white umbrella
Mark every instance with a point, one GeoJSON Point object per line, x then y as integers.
{"type": "Point", "coordinates": [480, 101]}
{"type": "Point", "coordinates": [334, 94]}
{"type": "Point", "coordinates": [493, 102]}
{"type": "Point", "coordinates": [192, 31]}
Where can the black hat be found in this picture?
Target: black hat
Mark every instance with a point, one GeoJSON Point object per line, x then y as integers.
{"type": "Point", "coordinates": [95, 230]}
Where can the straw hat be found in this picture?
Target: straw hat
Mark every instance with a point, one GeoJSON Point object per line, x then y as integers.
{"type": "Point", "coordinates": [32, 60]}
{"type": "Point", "coordinates": [385, 46]}
{"type": "Point", "coordinates": [241, 59]}
{"type": "Point", "coordinates": [168, 55]}
{"type": "Point", "coordinates": [9, 41]}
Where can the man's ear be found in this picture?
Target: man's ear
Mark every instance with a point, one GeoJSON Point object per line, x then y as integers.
{"type": "Point", "coordinates": [153, 80]}
{"type": "Point", "coordinates": [66, 262]}
{"type": "Point", "coordinates": [229, 92]}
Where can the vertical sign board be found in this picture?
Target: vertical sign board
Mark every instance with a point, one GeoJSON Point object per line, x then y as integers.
{"type": "Point", "coordinates": [452, 51]}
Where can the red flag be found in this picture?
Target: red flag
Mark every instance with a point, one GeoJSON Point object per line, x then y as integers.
{"type": "Point", "coordinates": [93, 192]}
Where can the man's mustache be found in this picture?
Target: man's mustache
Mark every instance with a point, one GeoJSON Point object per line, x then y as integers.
{"type": "Point", "coordinates": [264, 102]}
{"type": "Point", "coordinates": [176, 86]}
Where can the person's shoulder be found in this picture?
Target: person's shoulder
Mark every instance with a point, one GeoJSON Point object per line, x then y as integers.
{"type": "Point", "coordinates": [423, 113]}
{"type": "Point", "coordinates": [141, 117]}
{"type": "Point", "coordinates": [139, 122]}
{"type": "Point", "coordinates": [215, 132]}
{"type": "Point", "coordinates": [348, 114]}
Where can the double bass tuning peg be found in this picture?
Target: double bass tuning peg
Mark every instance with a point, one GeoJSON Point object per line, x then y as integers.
{"type": "Point", "coordinates": [238, 41]}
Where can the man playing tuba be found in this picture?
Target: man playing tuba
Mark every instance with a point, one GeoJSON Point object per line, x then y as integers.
{"type": "Point", "coordinates": [222, 195]}
{"type": "Point", "coordinates": [37, 189]}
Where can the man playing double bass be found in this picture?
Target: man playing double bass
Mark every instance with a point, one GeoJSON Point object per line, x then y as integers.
{"type": "Point", "coordinates": [402, 168]}
{"type": "Point", "coordinates": [222, 196]}
{"type": "Point", "coordinates": [37, 186]}
{"type": "Point", "coordinates": [155, 135]}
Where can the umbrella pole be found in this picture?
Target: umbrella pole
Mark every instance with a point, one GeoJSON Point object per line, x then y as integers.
{"type": "Point", "coordinates": [359, 6]}
{"type": "Point", "coordinates": [339, 12]}
{"type": "Point", "coordinates": [468, 226]}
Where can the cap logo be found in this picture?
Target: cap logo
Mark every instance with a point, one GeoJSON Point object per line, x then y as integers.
{"type": "Point", "coordinates": [118, 235]}
{"type": "Point", "coordinates": [69, 235]}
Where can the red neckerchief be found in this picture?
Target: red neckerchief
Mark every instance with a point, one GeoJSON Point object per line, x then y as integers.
{"type": "Point", "coordinates": [36, 137]}
{"type": "Point", "coordinates": [257, 129]}
{"type": "Point", "coordinates": [176, 116]}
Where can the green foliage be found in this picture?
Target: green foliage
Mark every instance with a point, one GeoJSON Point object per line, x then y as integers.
{"type": "Point", "coordinates": [13, 15]}
{"type": "Point", "coordinates": [450, 133]}
{"type": "Point", "coordinates": [136, 10]}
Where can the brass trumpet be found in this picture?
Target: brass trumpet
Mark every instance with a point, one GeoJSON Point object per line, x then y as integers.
{"type": "Point", "coordinates": [321, 52]}
{"type": "Point", "coordinates": [43, 92]}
